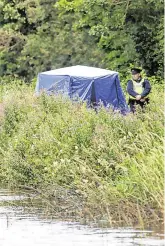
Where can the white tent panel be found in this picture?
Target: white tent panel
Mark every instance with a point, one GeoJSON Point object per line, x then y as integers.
{"type": "Point", "coordinates": [80, 71]}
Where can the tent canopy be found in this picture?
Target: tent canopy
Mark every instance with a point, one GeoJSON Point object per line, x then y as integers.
{"type": "Point", "coordinates": [90, 84]}
{"type": "Point", "coordinates": [80, 71]}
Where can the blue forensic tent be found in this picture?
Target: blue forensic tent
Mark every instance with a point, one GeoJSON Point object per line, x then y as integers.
{"type": "Point", "coordinates": [90, 84]}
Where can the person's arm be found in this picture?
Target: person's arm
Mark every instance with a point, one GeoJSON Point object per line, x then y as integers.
{"type": "Point", "coordinates": [147, 88]}
{"type": "Point", "coordinates": [130, 89]}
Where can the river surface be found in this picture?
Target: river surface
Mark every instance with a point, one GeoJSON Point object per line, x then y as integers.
{"type": "Point", "coordinates": [21, 228]}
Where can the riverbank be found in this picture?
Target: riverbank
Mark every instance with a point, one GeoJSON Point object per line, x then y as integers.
{"type": "Point", "coordinates": [89, 165]}
{"type": "Point", "coordinates": [41, 229]}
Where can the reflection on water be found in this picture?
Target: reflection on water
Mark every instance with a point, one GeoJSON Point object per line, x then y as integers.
{"type": "Point", "coordinates": [18, 228]}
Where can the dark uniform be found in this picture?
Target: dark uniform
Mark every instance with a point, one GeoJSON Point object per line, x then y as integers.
{"type": "Point", "coordinates": [138, 87]}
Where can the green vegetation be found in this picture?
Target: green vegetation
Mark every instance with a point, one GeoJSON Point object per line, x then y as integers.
{"type": "Point", "coordinates": [103, 165]}
{"type": "Point", "coordinates": [37, 35]}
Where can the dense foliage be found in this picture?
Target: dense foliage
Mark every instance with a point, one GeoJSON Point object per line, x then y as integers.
{"type": "Point", "coordinates": [111, 164]}
{"type": "Point", "coordinates": [37, 35]}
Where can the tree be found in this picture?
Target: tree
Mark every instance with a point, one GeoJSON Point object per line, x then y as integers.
{"type": "Point", "coordinates": [38, 35]}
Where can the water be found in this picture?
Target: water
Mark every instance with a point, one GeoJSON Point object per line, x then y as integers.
{"type": "Point", "coordinates": [21, 228]}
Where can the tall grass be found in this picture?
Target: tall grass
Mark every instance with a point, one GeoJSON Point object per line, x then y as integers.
{"type": "Point", "coordinates": [112, 164]}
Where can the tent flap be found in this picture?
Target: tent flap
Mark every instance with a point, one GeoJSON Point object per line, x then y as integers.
{"type": "Point", "coordinates": [81, 88]}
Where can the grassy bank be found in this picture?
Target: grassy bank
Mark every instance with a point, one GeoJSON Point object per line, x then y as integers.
{"type": "Point", "coordinates": [98, 166]}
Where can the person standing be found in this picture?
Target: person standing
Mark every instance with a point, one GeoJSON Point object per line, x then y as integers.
{"type": "Point", "coordinates": [138, 89]}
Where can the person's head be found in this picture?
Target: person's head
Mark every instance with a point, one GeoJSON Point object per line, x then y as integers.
{"type": "Point", "coordinates": [135, 73]}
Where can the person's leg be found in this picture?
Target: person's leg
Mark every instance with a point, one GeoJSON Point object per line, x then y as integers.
{"type": "Point", "coordinates": [143, 104]}
{"type": "Point", "coordinates": [132, 105]}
